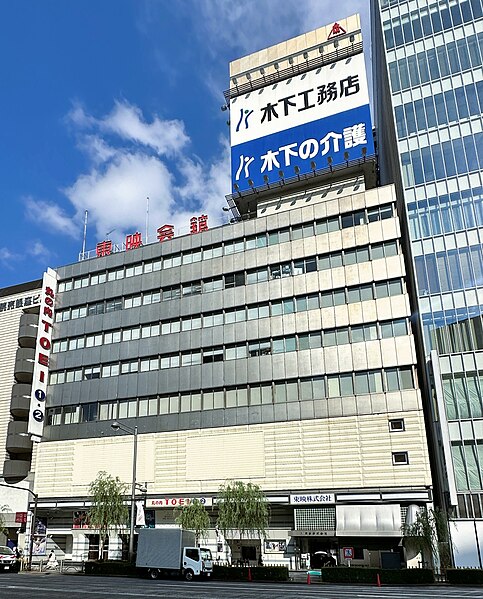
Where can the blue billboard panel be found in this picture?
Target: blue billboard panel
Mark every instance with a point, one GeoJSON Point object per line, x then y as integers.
{"type": "Point", "coordinates": [307, 121]}
{"type": "Point", "coordinates": [334, 140]}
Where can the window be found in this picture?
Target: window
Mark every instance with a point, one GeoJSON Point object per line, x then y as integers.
{"type": "Point", "coordinates": [396, 425]}
{"type": "Point", "coordinates": [400, 458]}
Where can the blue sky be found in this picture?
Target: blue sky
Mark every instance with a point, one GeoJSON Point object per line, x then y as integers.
{"type": "Point", "coordinates": [106, 102]}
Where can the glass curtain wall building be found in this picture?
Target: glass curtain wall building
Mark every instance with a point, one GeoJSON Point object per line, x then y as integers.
{"type": "Point", "coordinates": [428, 94]}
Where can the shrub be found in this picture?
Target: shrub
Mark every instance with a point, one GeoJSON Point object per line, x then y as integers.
{"type": "Point", "coordinates": [472, 576]}
{"type": "Point", "coordinates": [112, 568]}
{"type": "Point", "coordinates": [369, 575]}
{"type": "Point", "coordinates": [272, 573]}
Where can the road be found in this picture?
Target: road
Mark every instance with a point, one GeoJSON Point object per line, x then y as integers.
{"type": "Point", "coordinates": [59, 586]}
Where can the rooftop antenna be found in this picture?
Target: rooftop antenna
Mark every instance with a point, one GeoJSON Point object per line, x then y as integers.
{"type": "Point", "coordinates": [147, 217]}
{"type": "Point", "coordinates": [109, 232]}
{"type": "Point", "coordinates": [85, 234]}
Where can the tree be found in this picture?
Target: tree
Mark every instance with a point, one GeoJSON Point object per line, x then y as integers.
{"type": "Point", "coordinates": [193, 516]}
{"type": "Point", "coordinates": [3, 509]}
{"type": "Point", "coordinates": [429, 535]}
{"type": "Point", "coordinates": [108, 511]}
{"type": "Point", "coordinates": [243, 508]}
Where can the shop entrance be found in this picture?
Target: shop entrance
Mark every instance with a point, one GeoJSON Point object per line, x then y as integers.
{"type": "Point", "coordinates": [323, 552]}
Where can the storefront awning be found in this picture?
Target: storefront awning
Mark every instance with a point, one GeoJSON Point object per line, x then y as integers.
{"type": "Point", "coordinates": [368, 521]}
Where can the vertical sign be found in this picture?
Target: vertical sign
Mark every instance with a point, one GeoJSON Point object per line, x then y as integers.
{"type": "Point", "coordinates": [43, 347]}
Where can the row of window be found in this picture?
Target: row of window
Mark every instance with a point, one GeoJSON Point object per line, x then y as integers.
{"type": "Point", "coordinates": [442, 160]}
{"type": "Point", "coordinates": [470, 505]}
{"type": "Point", "coordinates": [305, 389]}
{"type": "Point", "coordinates": [438, 16]}
{"type": "Point", "coordinates": [450, 270]}
{"type": "Point", "coordinates": [463, 395]}
{"type": "Point", "coordinates": [289, 343]}
{"type": "Point", "coordinates": [465, 335]}
{"type": "Point", "coordinates": [468, 464]}
{"type": "Point", "coordinates": [242, 278]}
{"type": "Point", "coordinates": [325, 225]}
{"type": "Point", "coordinates": [450, 59]}
{"type": "Point", "coordinates": [439, 109]}
{"type": "Point", "coordinates": [446, 213]}
{"type": "Point", "coordinates": [313, 301]}
{"type": "Point", "coordinates": [453, 331]}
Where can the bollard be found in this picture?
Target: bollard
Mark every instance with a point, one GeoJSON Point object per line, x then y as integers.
{"type": "Point", "coordinates": [308, 577]}
{"type": "Point", "coordinates": [378, 580]}
{"type": "Point", "coordinates": [249, 574]}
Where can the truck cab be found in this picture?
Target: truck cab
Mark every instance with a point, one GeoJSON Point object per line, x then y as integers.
{"type": "Point", "coordinates": [197, 561]}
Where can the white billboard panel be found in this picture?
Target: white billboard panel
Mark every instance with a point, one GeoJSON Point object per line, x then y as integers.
{"type": "Point", "coordinates": [296, 123]}
{"type": "Point", "coordinates": [42, 355]}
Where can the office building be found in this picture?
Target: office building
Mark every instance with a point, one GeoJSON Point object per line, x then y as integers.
{"type": "Point", "coordinates": [278, 348]}
{"type": "Point", "coordinates": [428, 93]}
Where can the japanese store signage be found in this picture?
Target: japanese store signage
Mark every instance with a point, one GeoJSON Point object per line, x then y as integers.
{"type": "Point", "coordinates": [42, 355]}
{"type": "Point", "coordinates": [21, 302]}
{"type": "Point", "coordinates": [198, 224]}
{"type": "Point", "coordinates": [177, 501]}
{"type": "Point", "coordinates": [307, 122]}
{"type": "Point", "coordinates": [311, 499]}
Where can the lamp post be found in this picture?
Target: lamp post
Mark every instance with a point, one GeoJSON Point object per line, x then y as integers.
{"type": "Point", "coordinates": [32, 522]}
{"type": "Point", "coordinates": [132, 431]}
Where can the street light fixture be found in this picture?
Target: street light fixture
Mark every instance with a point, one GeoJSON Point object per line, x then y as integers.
{"type": "Point", "coordinates": [32, 522]}
{"type": "Point", "coordinates": [132, 431]}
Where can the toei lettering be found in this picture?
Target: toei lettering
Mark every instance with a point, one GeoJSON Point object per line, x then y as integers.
{"type": "Point", "coordinates": [44, 343]}
{"type": "Point", "coordinates": [203, 223]}
{"type": "Point", "coordinates": [47, 325]}
{"type": "Point", "coordinates": [49, 301]}
{"type": "Point", "coordinates": [193, 225]}
{"type": "Point", "coordinates": [181, 501]}
{"type": "Point", "coordinates": [49, 292]}
{"type": "Point", "coordinates": [43, 360]}
{"type": "Point", "coordinates": [165, 233]}
{"type": "Point", "coordinates": [104, 248]}
{"type": "Point", "coordinates": [48, 312]}
{"type": "Point", "coordinates": [133, 241]}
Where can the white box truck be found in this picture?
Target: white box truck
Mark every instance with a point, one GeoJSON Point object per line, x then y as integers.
{"type": "Point", "coordinates": [172, 551]}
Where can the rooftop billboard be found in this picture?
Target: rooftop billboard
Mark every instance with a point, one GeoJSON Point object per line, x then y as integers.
{"type": "Point", "coordinates": [303, 123]}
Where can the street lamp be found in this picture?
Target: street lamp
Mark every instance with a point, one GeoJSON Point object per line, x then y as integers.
{"type": "Point", "coordinates": [132, 431]}
{"type": "Point", "coordinates": [32, 522]}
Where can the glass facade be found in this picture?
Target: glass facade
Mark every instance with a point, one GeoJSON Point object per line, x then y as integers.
{"type": "Point", "coordinates": [433, 52]}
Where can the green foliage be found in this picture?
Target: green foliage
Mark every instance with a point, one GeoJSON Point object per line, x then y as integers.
{"type": "Point", "coordinates": [108, 511]}
{"type": "Point", "coordinates": [471, 576]}
{"type": "Point", "coordinates": [429, 535]}
{"type": "Point", "coordinates": [3, 508]}
{"type": "Point", "coordinates": [193, 516]}
{"type": "Point", "coordinates": [356, 575]}
{"type": "Point", "coordinates": [243, 508]}
{"type": "Point", "coordinates": [273, 573]}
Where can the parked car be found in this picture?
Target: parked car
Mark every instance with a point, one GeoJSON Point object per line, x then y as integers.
{"type": "Point", "coordinates": [8, 560]}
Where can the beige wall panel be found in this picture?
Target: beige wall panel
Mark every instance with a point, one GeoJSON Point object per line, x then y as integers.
{"type": "Point", "coordinates": [345, 452]}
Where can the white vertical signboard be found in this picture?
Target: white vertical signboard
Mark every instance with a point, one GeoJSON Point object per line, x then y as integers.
{"type": "Point", "coordinates": [43, 347]}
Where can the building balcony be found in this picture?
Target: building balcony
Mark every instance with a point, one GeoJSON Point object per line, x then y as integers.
{"type": "Point", "coordinates": [24, 365]}
{"type": "Point", "coordinates": [20, 402]}
{"type": "Point", "coordinates": [16, 470]}
{"type": "Point", "coordinates": [28, 330]}
{"type": "Point", "coordinates": [17, 441]}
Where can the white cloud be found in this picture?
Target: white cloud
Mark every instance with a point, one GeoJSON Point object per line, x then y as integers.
{"type": "Point", "coordinates": [165, 137]}
{"type": "Point", "coordinates": [38, 250]}
{"type": "Point", "coordinates": [8, 258]}
{"type": "Point", "coordinates": [51, 216]}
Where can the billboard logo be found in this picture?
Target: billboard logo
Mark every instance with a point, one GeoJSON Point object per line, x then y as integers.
{"type": "Point", "coordinates": [244, 114]}
{"type": "Point", "coordinates": [336, 30]}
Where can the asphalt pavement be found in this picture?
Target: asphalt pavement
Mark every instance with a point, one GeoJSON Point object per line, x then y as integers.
{"type": "Point", "coordinates": [54, 585]}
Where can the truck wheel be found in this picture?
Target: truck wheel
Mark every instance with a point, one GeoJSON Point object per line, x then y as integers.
{"type": "Point", "coordinates": [188, 575]}
{"type": "Point", "coordinates": [153, 574]}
